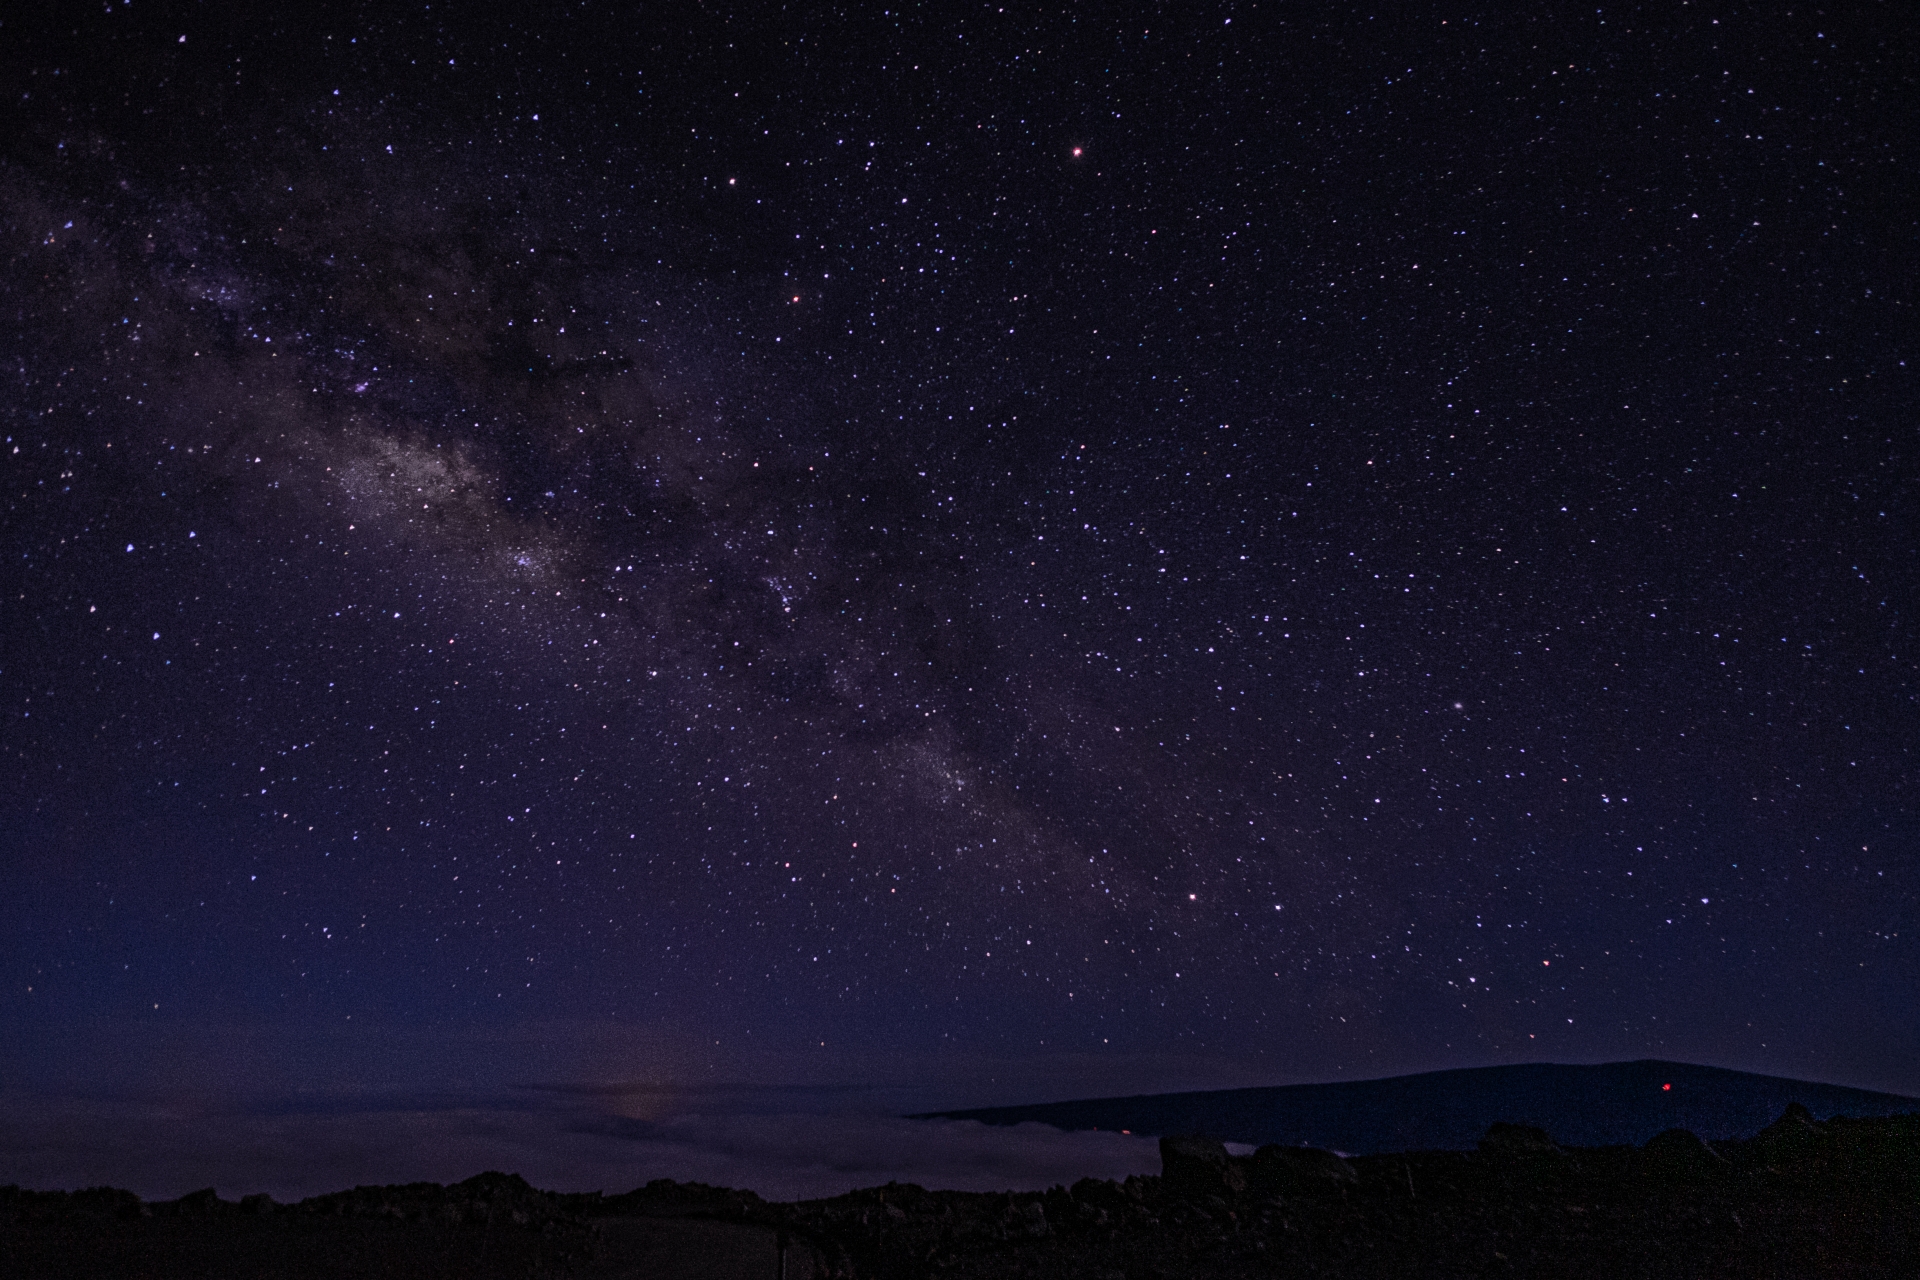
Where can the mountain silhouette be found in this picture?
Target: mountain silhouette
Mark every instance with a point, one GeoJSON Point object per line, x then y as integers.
{"type": "Point", "coordinates": [1590, 1106]}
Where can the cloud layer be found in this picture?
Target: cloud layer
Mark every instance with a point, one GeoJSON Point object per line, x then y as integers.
{"type": "Point", "coordinates": [161, 1151]}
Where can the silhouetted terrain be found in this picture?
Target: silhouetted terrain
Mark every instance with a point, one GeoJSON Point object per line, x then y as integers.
{"type": "Point", "coordinates": [1589, 1106]}
{"type": "Point", "coordinates": [1800, 1198]}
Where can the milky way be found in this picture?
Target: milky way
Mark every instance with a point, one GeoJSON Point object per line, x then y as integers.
{"type": "Point", "coordinates": [944, 555]}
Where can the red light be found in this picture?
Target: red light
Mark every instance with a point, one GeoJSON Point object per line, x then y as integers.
{"type": "Point", "coordinates": [1665, 1087]}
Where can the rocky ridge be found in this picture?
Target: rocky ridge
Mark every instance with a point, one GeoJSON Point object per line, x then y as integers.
{"type": "Point", "coordinates": [1839, 1198]}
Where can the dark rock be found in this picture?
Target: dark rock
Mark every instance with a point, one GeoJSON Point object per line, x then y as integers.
{"type": "Point", "coordinates": [1679, 1156]}
{"type": "Point", "coordinates": [1795, 1139]}
{"type": "Point", "coordinates": [1520, 1206]}
{"type": "Point", "coordinates": [1883, 1153]}
{"type": "Point", "coordinates": [1518, 1140]}
{"type": "Point", "coordinates": [1300, 1171]}
{"type": "Point", "coordinates": [109, 1201]}
{"type": "Point", "coordinates": [664, 1197]}
{"type": "Point", "coordinates": [1100, 1194]}
{"type": "Point", "coordinates": [198, 1204]}
{"type": "Point", "coordinates": [1197, 1166]}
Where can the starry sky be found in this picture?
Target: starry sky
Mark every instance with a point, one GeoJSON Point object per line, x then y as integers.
{"type": "Point", "coordinates": [1234, 544]}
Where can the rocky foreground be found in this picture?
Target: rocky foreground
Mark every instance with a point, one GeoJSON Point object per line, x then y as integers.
{"type": "Point", "coordinates": [1799, 1199]}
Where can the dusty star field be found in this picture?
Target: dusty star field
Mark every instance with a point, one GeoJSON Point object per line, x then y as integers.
{"type": "Point", "coordinates": [983, 554]}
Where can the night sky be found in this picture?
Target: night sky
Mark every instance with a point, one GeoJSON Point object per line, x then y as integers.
{"type": "Point", "coordinates": [1007, 554]}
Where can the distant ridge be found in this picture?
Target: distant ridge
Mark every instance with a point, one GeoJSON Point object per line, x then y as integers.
{"type": "Point", "coordinates": [1588, 1106]}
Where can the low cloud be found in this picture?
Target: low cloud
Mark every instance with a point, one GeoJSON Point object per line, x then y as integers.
{"type": "Point", "coordinates": [160, 1150]}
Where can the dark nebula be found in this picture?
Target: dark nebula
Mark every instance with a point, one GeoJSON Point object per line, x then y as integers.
{"type": "Point", "coordinates": [974, 549]}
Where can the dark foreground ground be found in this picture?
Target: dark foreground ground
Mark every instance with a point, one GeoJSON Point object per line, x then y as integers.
{"type": "Point", "coordinates": [1799, 1199]}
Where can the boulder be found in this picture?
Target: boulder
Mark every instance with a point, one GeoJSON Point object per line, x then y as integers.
{"type": "Point", "coordinates": [1522, 1140]}
{"type": "Point", "coordinates": [1679, 1156]}
{"type": "Point", "coordinates": [1300, 1171]}
{"type": "Point", "coordinates": [111, 1201]}
{"type": "Point", "coordinates": [199, 1204]}
{"type": "Point", "coordinates": [1109, 1196]}
{"type": "Point", "coordinates": [259, 1204]}
{"type": "Point", "coordinates": [1195, 1166]}
{"type": "Point", "coordinates": [1796, 1128]}
{"type": "Point", "coordinates": [1795, 1139]}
